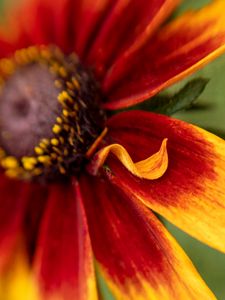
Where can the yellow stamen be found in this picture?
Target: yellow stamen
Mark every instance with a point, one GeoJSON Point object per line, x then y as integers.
{"type": "Point", "coordinates": [69, 85]}
{"type": "Point", "coordinates": [33, 52]}
{"type": "Point", "coordinates": [38, 150]}
{"type": "Point", "coordinates": [44, 143]}
{"type": "Point", "coordinates": [12, 173]}
{"type": "Point", "coordinates": [54, 142]}
{"type": "Point", "coordinates": [10, 162]}
{"type": "Point", "coordinates": [7, 66]}
{"type": "Point", "coordinates": [2, 153]}
{"type": "Point", "coordinates": [61, 139]}
{"type": "Point", "coordinates": [56, 129]}
{"type": "Point", "coordinates": [59, 120]}
{"type": "Point", "coordinates": [45, 159]}
{"type": "Point", "coordinates": [64, 96]}
{"type": "Point", "coordinates": [29, 163]}
{"type": "Point", "coordinates": [62, 170]}
{"type": "Point", "coordinates": [62, 72]}
{"type": "Point", "coordinates": [75, 83]}
{"type": "Point", "coordinates": [65, 113]}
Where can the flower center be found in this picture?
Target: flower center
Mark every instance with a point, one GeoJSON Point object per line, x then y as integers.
{"type": "Point", "coordinates": [49, 114]}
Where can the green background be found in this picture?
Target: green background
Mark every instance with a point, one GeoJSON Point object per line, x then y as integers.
{"type": "Point", "coordinates": [210, 263]}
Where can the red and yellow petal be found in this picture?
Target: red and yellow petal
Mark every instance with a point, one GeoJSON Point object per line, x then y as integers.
{"type": "Point", "coordinates": [19, 212]}
{"type": "Point", "coordinates": [176, 51]}
{"type": "Point", "coordinates": [18, 282]}
{"type": "Point", "coordinates": [63, 262]}
{"type": "Point", "coordinates": [191, 193]}
{"type": "Point", "coordinates": [135, 254]}
{"type": "Point", "coordinates": [126, 28]}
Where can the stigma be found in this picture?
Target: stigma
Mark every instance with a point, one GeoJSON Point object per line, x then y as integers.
{"type": "Point", "coordinates": [49, 114]}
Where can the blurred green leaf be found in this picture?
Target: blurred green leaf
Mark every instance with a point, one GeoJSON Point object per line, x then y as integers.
{"type": "Point", "coordinates": [201, 107]}
{"type": "Point", "coordinates": [182, 100]}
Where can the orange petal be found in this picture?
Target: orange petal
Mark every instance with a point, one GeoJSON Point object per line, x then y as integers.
{"type": "Point", "coordinates": [151, 168]}
{"type": "Point", "coordinates": [191, 193]}
{"type": "Point", "coordinates": [136, 255]}
{"type": "Point", "coordinates": [177, 50]}
{"type": "Point", "coordinates": [63, 261]}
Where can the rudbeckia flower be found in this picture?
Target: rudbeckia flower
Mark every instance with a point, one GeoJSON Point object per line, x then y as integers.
{"type": "Point", "coordinates": [79, 184]}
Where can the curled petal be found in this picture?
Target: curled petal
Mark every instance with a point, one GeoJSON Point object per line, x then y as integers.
{"type": "Point", "coordinates": [151, 168]}
{"type": "Point", "coordinates": [191, 193]}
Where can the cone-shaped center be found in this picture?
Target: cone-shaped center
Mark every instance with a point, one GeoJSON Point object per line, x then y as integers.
{"type": "Point", "coordinates": [49, 114]}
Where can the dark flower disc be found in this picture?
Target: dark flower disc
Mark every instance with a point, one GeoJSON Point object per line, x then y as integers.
{"type": "Point", "coordinates": [49, 114]}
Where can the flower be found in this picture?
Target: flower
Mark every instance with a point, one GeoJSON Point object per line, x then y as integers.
{"type": "Point", "coordinates": [96, 179]}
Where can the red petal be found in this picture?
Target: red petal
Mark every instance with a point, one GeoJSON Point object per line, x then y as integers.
{"type": "Point", "coordinates": [81, 25]}
{"type": "Point", "coordinates": [34, 213]}
{"type": "Point", "coordinates": [36, 27]}
{"type": "Point", "coordinates": [5, 46]}
{"type": "Point", "coordinates": [126, 28]}
{"type": "Point", "coordinates": [177, 50]}
{"type": "Point", "coordinates": [91, 17]}
{"type": "Point", "coordinates": [191, 192]}
{"type": "Point", "coordinates": [14, 196]}
{"type": "Point", "coordinates": [69, 24]}
{"type": "Point", "coordinates": [136, 256]}
{"type": "Point", "coordinates": [63, 261]}
{"type": "Point", "coordinates": [42, 22]}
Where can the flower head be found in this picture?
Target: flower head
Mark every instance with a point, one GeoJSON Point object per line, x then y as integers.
{"type": "Point", "coordinates": [79, 186]}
